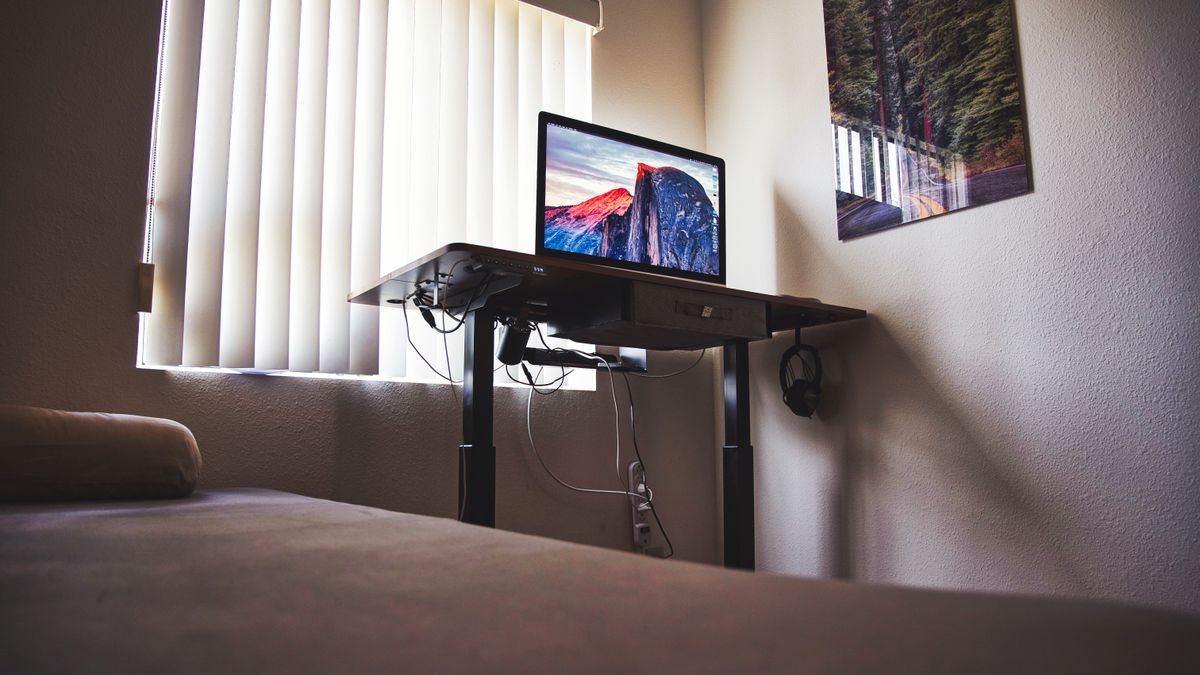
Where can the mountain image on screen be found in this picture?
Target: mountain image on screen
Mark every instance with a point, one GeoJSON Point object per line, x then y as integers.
{"type": "Point", "coordinates": [667, 222]}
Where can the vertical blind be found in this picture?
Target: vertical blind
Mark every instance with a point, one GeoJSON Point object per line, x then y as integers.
{"type": "Point", "coordinates": [302, 148]}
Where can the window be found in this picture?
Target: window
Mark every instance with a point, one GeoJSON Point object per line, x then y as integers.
{"type": "Point", "coordinates": [301, 149]}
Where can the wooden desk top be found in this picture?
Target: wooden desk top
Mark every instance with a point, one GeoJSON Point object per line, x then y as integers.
{"type": "Point", "coordinates": [541, 278]}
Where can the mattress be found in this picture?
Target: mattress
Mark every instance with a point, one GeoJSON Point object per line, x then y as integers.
{"type": "Point", "coordinates": [262, 581]}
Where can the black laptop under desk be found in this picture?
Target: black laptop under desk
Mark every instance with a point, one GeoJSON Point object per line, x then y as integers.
{"type": "Point", "coordinates": [608, 306]}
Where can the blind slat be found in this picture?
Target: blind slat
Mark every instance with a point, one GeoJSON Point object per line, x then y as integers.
{"type": "Point", "coordinates": [452, 123]}
{"type": "Point", "coordinates": [529, 102]}
{"type": "Point", "coordinates": [480, 103]}
{"type": "Point", "coordinates": [423, 201]}
{"type": "Point", "coordinates": [368, 182]}
{"type": "Point", "coordinates": [337, 201]}
{"type": "Point", "coordinates": [175, 125]}
{"type": "Point", "coordinates": [394, 247]}
{"type": "Point", "coordinates": [452, 145]}
{"type": "Point", "coordinates": [307, 197]}
{"type": "Point", "coordinates": [577, 68]}
{"type": "Point", "coordinates": [553, 64]}
{"type": "Point", "coordinates": [504, 168]}
{"type": "Point", "coordinates": [423, 213]}
{"type": "Point", "coordinates": [239, 262]}
{"type": "Point", "coordinates": [275, 211]}
{"type": "Point", "coordinates": [210, 173]}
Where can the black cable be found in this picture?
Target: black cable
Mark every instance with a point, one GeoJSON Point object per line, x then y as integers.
{"type": "Point", "coordinates": [480, 290]}
{"type": "Point", "coordinates": [462, 501]}
{"type": "Point", "coordinates": [645, 480]}
{"type": "Point", "coordinates": [542, 338]}
{"type": "Point", "coordinates": [427, 312]}
{"type": "Point", "coordinates": [419, 295]}
{"type": "Point", "coordinates": [559, 350]}
{"type": "Point", "coordinates": [425, 303]}
{"type": "Point", "coordinates": [408, 336]}
{"type": "Point", "coordinates": [416, 297]}
{"type": "Point", "coordinates": [529, 380]}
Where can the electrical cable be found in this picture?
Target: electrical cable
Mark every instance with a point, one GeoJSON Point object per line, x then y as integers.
{"type": "Point", "coordinates": [648, 498]}
{"type": "Point", "coordinates": [559, 380]}
{"type": "Point", "coordinates": [418, 296]}
{"type": "Point", "coordinates": [678, 372]}
{"type": "Point", "coordinates": [541, 337]}
{"type": "Point", "coordinates": [424, 303]}
{"type": "Point", "coordinates": [546, 467]}
{"type": "Point", "coordinates": [645, 475]}
{"type": "Point", "coordinates": [529, 379]}
{"type": "Point", "coordinates": [408, 336]}
{"type": "Point", "coordinates": [622, 477]}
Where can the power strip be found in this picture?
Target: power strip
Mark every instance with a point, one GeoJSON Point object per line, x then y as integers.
{"type": "Point", "coordinates": [640, 509]}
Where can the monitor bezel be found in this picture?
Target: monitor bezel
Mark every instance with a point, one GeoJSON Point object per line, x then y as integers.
{"type": "Point", "coordinates": [546, 118]}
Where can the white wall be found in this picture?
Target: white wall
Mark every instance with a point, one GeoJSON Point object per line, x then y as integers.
{"type": "Point", "coordinates": [78, 83]}
{"type": "Point", "coordinates": [1019, 412]}
{"type": "Point", "coordinates": [646, 75]}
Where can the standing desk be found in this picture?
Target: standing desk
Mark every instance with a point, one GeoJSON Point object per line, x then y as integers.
{"type": "Point", "coordinates": [602, 305]}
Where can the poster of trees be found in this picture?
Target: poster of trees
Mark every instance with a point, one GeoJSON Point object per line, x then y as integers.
{"type": "Point", "coordinates": [927, 109]}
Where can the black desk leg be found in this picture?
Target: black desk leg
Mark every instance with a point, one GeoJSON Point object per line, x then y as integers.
{"type": "Point", "coordinates": [477, 458]}
{"type": "Point", "coordinates": [738, 459]}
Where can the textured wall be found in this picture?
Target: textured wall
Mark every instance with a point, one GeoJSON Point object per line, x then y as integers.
{"type": "Point", "coordinates": [78, 85]}
{"type": "Point", "coordinates": [1019, 411]}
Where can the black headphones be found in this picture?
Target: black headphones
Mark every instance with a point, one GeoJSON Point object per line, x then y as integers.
{"type": "Point", "coordinates": [801, 394]}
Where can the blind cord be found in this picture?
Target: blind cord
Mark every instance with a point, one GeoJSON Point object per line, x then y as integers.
{"type": "Point", "coordinates": [148, 243]}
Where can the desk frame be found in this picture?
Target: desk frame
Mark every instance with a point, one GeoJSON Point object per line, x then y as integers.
{"type": "Point", "coordinates": [477, 453]}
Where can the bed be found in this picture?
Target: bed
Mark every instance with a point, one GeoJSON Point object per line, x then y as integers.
{"type": "Point", "coordinates": [248, 580]}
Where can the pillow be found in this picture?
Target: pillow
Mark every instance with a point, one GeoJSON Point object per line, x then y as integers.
{"type": "Point", "coordinates": [57, 455]}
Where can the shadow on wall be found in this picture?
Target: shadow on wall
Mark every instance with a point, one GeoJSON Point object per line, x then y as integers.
{"type": "Point", "coordinates": [915, 492]}
{"type": "Point", "coordinates": [386, 435]}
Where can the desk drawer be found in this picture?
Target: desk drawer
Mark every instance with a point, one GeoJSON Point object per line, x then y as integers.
{"type": "Point", "coordinates": [654, 316]}
{"type": "Point", "coordinates": [697, 311]}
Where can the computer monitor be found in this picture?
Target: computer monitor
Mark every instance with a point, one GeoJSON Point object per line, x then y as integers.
{"type": "Point", "coordinates": [612, 198]}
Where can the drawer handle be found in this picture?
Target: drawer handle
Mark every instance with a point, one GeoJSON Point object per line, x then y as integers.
{"type": "Point", "coordinates": [703, 311]}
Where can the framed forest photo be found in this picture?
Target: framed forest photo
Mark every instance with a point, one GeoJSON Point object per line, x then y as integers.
{"type": "Point", "coordinates": [926, 106]}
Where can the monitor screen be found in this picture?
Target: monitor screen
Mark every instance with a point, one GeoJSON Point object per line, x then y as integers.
{"type": "Point", "coordinates": [608, 197]}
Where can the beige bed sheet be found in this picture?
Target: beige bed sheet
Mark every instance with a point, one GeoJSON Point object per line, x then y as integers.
{"type": "Point", "coordinates": [260, 581]}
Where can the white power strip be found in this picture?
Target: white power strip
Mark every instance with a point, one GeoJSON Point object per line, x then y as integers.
{"type": "Point", "coordinates": [641, 512]}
